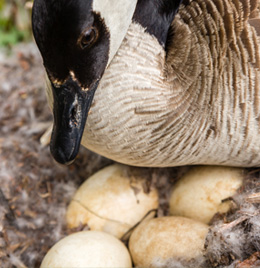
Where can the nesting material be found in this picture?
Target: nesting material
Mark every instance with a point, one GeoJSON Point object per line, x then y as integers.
{"type": "Point", "coordinates": [233, 240]}
{"type": "Point", "coordinates": [201, 193]}
{"type": "Point", "coordinates": [35, 189]}
{"type": "Point", "coordinates": [113, 200]}
{"type": "Point", "coordinates": [156, 242]}
{"type": "Point", "coordinates": [88, 249]}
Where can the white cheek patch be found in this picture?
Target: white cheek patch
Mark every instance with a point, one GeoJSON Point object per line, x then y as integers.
{"type": "Point", "coordinates": [117, 15]}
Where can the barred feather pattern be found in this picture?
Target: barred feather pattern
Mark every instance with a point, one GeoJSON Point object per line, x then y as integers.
{"type": "Point", "coordinates": [199, 103]}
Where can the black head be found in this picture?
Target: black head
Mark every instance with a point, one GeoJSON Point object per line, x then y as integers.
{"type": "Point", "coordinates": [72, 38]}
{"type": "Point", "coordinates": [74, 44]}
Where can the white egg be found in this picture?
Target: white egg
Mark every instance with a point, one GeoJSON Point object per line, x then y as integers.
{"type": "Point", "coordinates": [113, 200]}
{"type": "Point", "coordinates": [156, 241]}
{"type": "Point", "coordinates": [199, 194]}
{"type": "Point", "coordinates": [87, 249]}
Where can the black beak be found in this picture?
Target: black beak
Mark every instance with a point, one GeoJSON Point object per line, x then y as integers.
{"type": "Point", "coordinates": [70, 108]}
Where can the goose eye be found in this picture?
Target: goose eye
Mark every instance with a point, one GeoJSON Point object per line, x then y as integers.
{"type": "Point", "coordinates": [88, 37]}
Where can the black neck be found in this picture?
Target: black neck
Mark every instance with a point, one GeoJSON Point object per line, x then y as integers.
{"type": "Point", "coordinates": [156, 16]}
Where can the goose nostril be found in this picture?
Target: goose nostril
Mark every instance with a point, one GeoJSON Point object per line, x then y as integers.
{"type": "Point", "coordinates": [73, 122]}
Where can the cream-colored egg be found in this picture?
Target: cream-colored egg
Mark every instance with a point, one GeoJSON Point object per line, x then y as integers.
{"type": "Point", "coordinates": [87, 249]}
{"type": "Point", "coordinates": [156, 241]}
{"type": "Point", "coordinates": [199, 194]}
{"type": "Point", "coordinates": [113, 200]}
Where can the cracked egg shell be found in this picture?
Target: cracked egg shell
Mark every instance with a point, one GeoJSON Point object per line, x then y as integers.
{"type": "Point", "coordinates": [88, 249]}
{"type": "Point", "coordinates": [113, 200]}
{"type": "Point", "coordinates": [164, 239]}
{"type": "Point", "coordinates": [199, 193]}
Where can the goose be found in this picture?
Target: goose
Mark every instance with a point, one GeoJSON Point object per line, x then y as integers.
{"type": "Point", "coordinates": [153, 83]}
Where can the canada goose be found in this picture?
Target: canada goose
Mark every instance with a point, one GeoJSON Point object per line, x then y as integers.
{"type": "Point", "coordinates": [182, 88]}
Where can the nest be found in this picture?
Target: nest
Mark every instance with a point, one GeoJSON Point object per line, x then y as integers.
{"type": "Point", "coordinates": [35, 190]}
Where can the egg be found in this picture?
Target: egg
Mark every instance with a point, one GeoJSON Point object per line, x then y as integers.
{"type": "Point", "coordinates": [199, 194]}
{"type": "Point", "coordinates": [88, 249]}
{"type": "Point", "coordinates": [113, 200]}
{"type": "Point", "coordinates": [158, 240]}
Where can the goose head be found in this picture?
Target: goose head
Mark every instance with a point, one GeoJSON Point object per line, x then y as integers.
{"type": "Point", "coordinates": [77, 40]}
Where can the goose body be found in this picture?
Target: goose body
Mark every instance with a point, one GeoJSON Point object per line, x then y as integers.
{"type": "Point", "coordinates": [193, 98]}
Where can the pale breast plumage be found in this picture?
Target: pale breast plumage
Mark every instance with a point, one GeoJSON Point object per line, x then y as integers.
{"type": "Point", "coordinates": [196, 103]}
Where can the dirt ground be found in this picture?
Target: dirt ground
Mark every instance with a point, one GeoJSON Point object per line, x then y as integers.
{"type": "Point", "coordinates": [35, 190]}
